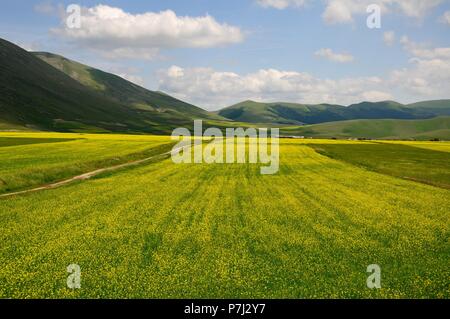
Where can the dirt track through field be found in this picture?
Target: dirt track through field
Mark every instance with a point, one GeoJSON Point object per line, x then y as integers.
{"type": "Point", "coordinates": [89, 175]}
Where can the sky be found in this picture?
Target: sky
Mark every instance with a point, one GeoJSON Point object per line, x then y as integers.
{"type": "Point", "coordinates": [215, 53]}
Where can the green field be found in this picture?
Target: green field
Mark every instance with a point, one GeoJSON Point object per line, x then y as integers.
{"type": "Point", "coordinates": [33, 159]}
{"type": "Point", "coordinates": [403, 161]}
{"type": "Point", "coordinates": [223, 230]}
{"type": "Point", "coordinates": [438, 127]}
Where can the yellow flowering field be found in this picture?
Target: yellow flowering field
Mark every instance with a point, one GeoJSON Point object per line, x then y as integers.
{"type": "Point", "coordinates": [165, 230]}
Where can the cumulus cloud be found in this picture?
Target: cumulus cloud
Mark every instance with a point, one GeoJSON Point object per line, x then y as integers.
{"type": "Point", "coordinates": [416, 8]}
{"type": "Point", "coordinates": [445, 18]}
{"type": "Point", "coordinates": [423, 51]}
{"type": "Point", "coordinates": [339, 12]}
{"type": "Point", "coordinates": [120, 34]}
{"type": "Point", "coordinates": [343, 11]}
{"type": "Point", "coordinates": [389, 38]}
{"type": "Point", "coordinates": [281, 4]}
{"type": "Point", "coordinates": [429, 73]}
{"type": "Point", "coordinates": [427, 76]}
{"type": "Point", "coordinates": [215, 89]}
{"type": "Point", "coordinates": [376, 96]}
{"type": "Point", "coordinates": [335, 57]}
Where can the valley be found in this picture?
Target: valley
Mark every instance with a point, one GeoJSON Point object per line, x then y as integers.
{"type": "Point", "coordinates": [165, 230]}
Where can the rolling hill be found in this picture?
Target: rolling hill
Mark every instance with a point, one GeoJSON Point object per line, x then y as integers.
{"type": "Point", "coordinates": [44, 91]}
{"type": "Point", "coordinates": [438, 127]}
{"type": "Point", "coordinates": [291, 113]}
{"type": "Point", "coordinates": [123, 91]}
{"type": "Point", "coordinates": [36, 95]}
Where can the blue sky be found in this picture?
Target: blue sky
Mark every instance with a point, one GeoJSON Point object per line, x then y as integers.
{"type": "Point", "coordinates": [216, 53]}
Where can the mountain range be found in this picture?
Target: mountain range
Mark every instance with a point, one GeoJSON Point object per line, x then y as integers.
{"type": "Point", "coordinates": [300, 114]}
{"type": "Point", "coordinates": [45, 91]}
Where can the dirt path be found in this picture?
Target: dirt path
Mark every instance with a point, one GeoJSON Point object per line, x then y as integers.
{"type": "Point", "coordinates": [89, 175]}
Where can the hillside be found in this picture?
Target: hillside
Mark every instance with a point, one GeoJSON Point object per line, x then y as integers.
{"type": "Point", "coordinates": [44, 91]}
{"type": "Point", "coordinates": [36, 95]}
{"type": "Point", "coordinates": [291, 113]}
{"type": "Point", "coordinates": [381, 129]}
{"type": "Point", "coordinates": [125, 92]}
{"type": "Point", "coordinates": [282, 113]}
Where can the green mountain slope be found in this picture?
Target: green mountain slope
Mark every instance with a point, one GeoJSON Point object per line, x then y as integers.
{"type": "Point", "coordinates": [291, 113]}
{"type": "Point", "coordinates": [440, 107]}
{"type": "Point", "coordinates": [123, 91]}
{"type": "Point", "coordinates": [36, 95]}
{"type": "Point", "coordinates": [438, 127]}
{"type": "Point", "coordinates": [282, 113]}
{"type": "Point", "coordinates": [44, 91]}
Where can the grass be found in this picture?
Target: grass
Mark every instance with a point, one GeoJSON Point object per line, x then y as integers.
{"type": "Point", "coordinates": [16, 141]}
{"type": "Point", "coordinates": [32, 159]}
{"type": "Point", "coordinates": [387, 129]}
{"type": "Point", "coordinates": [442, 146]}
{"type": "Point", "coordinates": [224, 230]}
{"type": "Point", "coordinates": [399, 160]}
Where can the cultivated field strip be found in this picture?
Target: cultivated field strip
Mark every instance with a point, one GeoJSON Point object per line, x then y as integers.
{"type": "Point", "coordinates": [30, 166]}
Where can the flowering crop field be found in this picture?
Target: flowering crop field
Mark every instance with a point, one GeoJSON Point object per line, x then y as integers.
{"type": "Point", "coordinates": [32, 159]}
{"type": "Point", "coordinates": [165, 230]}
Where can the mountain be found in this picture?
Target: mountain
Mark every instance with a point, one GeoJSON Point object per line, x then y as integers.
{"type": "Point", "coordinates": [34, 94]}
{"type": "Point", "coordinates": [44, 91]}
{"type": "Point", "coordinates": [291, 113]}
{"type": "Point", "coordinates": [282, 113]}
{"type": "Point", "coordinates": [438, 127]}
{"type": "Point", "coordinates": [123, 91]}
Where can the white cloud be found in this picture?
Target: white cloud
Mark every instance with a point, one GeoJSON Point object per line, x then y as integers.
{"type": "Point", "coordinates": [429, 73]}
{"type": "Point", "coordinates": [281, 4]}
{"type": "Point", "coordinates": [445, 18]}
{"type": "Point", "coordinates": [120, 34]}
{"type": "Point", "coordinates": [175, 72]}
{"type": "Point", "coordinates": [426, 77]}
{"type": "Point", "coordinates": [335, 57]}
{"type": "Point", "coordinates": [389, 38]}
{"type": "Point", "coordinates": [416, 8]}
{"type": "Point", "coordinates": [376, 96]}
{"type": "Point", "coordinates": [338, 12]}
{"type": "Point", "coordinates": [343, 11]}
{"type": "Point", "coordinates": [435, 53]}
{"type": "Point", "coordinates": [423, 51]}
{"type": "Point", "coordinates": [215, 89]}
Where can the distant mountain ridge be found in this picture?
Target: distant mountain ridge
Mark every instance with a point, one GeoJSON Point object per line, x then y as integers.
{"type": "Point", "coordinates": [45, 91]}
{"type": "Point", "coordinates": [299, 114]}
